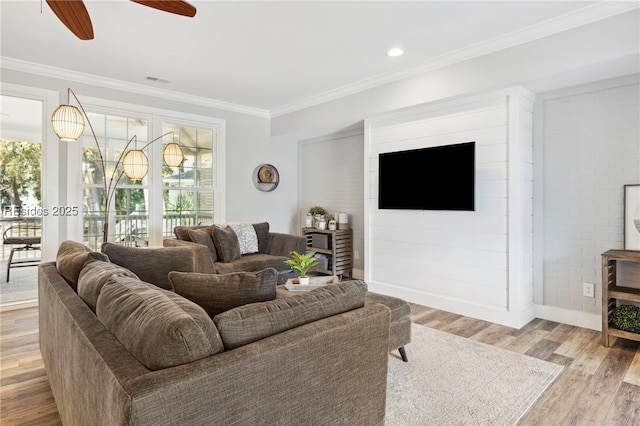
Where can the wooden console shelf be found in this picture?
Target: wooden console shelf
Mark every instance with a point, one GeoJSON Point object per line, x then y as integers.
{"type": "Point", "coordinates": [611, 292]}
{"type": "Point", "coordinates": [338, 247]}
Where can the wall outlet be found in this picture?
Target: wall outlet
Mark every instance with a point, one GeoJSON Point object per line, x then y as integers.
{"type": "Point", "coordinates": [356, 254]}
{"type": "Point", "coordinates": [588, 290]}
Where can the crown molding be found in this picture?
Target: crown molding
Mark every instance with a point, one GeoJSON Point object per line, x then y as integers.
{"type": "Point", "coordinates": [60, 73]}
{"type": "Point", "coordinates": [586, 15]}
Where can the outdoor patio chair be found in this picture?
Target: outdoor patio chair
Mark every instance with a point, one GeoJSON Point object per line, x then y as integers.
{"type": "Point", "coordinates": [27, 235]}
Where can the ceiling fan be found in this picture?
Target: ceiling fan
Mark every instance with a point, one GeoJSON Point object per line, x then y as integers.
{"type": "Point", "coordinates": [74, 15]}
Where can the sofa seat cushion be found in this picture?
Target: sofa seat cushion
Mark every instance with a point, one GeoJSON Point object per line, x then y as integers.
{"type": "Point", "coordinates": [94, 276]}
{"type": "Point", "coordinates": [151, 264]}
{"type": "Point", "coordinates": [158, 327]}
{"type": "Point", "coordinates": [253, 263]}
{"type": "Point", "coordinates": [249, 323]}
{"type": "Point", "coordinates": [217, 293]}
{"type": "Point", "coordinates": [71, 258]}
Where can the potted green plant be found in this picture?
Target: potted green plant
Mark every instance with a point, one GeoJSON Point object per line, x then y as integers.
{"type": "Point", "coordinates": [317, 213]}
{"type": "Point", "coordinates": [302, 263]}
{"type": "Point", "coordinates": [317, 210]}
{"type": "Point", "coordinates": [626, 318]}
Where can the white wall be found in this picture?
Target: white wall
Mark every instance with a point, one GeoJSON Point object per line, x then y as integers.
{"type": "Point", "coordinates": [588, 147]}
{"type": "Point", "coordinates": [475, 263]}
{"type": "Point", "coordinates": [329, 177]}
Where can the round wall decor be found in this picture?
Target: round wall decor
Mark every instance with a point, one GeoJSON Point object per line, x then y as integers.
{"type": "Point", "coordinates": [266, 177]}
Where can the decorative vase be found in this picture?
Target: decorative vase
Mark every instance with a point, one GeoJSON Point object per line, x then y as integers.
{"type": "Point", "coordinates": [303, 280]}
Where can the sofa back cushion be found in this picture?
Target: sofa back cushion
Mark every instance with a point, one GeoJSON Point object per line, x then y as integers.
{"type": "Point", "coordinates": [70, 259]}
{"type": "Point", "coordinates": [227, 244]}
{"type": "Point", "coordinates": [249, 323]}
{"type": "Point", "coordinates": [262, 232]}
{"type": "Point", "coordinates": [158, 327]}
{"type": "Point", "coordinates": [182, 232]}
{"type": "Point", "coordinates": [204, 237]}
{"type": "Point", "coordinates": [151, 264]}
{"type": "Point", "coordinates": [94, 276]}
{"type": "Point", "coordinates": [218, 293]}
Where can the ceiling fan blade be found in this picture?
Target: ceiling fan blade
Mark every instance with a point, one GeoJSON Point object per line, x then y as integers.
{"type": "Point", "coordinates": [172, 6]}
{"type": "Point", "coordinates": [74, 16]}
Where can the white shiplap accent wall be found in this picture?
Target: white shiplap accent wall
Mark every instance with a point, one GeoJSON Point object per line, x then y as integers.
{"type": "Point", "coordinates": [474, 263]}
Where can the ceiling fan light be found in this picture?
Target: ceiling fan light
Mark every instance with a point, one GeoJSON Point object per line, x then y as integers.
{"type": "Point", "coordinates": [173, 155]}
{"type": "Point", "coordinates": [68, 123]}
{"type": "Point", "coordinates": [135, 164]}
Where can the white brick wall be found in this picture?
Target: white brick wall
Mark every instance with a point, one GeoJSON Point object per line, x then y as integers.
{"type": "Point", "coordinates": [332, 176]}
{"type": "Point", "coordinates": [591, 148]}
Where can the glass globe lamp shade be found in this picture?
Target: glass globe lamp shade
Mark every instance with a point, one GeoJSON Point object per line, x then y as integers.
{"type": "Point", "coordinates": [135, 164]}
{"type": "Point", "coordinates": [173, 155]}
{"type": "Point", "coordinates": [68, 123]}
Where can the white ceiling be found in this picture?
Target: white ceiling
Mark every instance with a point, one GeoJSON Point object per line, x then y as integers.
{"type": "Point", "coordinates": [273, 56]}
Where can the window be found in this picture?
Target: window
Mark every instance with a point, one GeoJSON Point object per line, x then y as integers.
{"type": "Point", "coordinates": [128, 208]}
{"type": "Point", "coordinates": [188, 189]}
{"type": "Point", "coordinates": [144, 212]}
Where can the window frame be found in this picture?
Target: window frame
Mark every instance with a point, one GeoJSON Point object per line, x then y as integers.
{"type": "Point", "coordinates": [155, 118]}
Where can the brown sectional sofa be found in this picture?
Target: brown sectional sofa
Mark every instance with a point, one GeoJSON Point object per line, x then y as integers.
{"type": "Point", "coordinates": [215, 249]}
{"type": "Point", "coordinates": [121, 351]}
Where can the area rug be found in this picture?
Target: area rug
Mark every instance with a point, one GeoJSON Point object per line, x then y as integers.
{"type": "Point", "coordinates": [450, 380]}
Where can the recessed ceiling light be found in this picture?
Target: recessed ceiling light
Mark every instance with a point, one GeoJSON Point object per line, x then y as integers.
{"type": "Point", "coordinates": [396, 51]}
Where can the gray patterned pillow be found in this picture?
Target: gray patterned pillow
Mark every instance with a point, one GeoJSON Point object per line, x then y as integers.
{"type": "Point", "coordinates": [247, 237]}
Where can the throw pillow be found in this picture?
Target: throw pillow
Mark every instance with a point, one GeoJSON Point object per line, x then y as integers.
{"type": "Point", "coordinates": [218, 293]}
{"type": "Point", "coordinates": [70, 259]}
{"type": "Point", "coordinates": [182, 232]}
{"type": "Point", "coordinates": [160, 328]}
{"type": "Point", "coordinates": [247, 237]}
{"type": "Point", "coordinates": [204, 237]}
{"type": "Point", "coordinates": [249, 323]}
{"type": "Point", "coordinates": [94, 276]}
{"type": "Point", "coordinates": [227, 244]}
{"type": "Point", "coordinates": [262, 232]}
{"type": "Point", "coordinates": [151, 264]}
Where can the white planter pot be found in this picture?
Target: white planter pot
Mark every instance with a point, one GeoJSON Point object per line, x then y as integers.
{"type": "Point", "coordinates": [303, 280]}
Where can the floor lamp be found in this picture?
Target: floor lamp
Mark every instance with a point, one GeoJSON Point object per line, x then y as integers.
{"type": "Point", "coordinates": [69, 123]}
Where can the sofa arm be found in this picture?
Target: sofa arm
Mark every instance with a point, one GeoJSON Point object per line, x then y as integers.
{"type": "Point", "coordinates": [283, 244]}
{"type": "Point", "coordinates": [203, 262]}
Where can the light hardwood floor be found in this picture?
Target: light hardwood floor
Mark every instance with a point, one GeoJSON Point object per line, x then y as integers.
{"type": "Point", "coordinates": [599, 386]}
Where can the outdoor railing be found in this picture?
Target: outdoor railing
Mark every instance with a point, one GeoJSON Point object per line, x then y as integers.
{"type": "Point", "coordinates": [132, 229]}
{"type": "Point", "coordinates": [129, 229]}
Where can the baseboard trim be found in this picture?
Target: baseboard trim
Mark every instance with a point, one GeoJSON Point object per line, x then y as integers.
{"type": "Point", "coordinates": [568, 316]}
{"type": "Point", "coordinates": [18, 305]}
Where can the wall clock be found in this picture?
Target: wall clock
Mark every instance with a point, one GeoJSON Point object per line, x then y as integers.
{"type": "Point", "coordinates": [266, 177]}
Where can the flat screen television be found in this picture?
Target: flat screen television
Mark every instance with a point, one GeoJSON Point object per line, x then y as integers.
{"type": "Point", "coordinates": [434, 178]}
